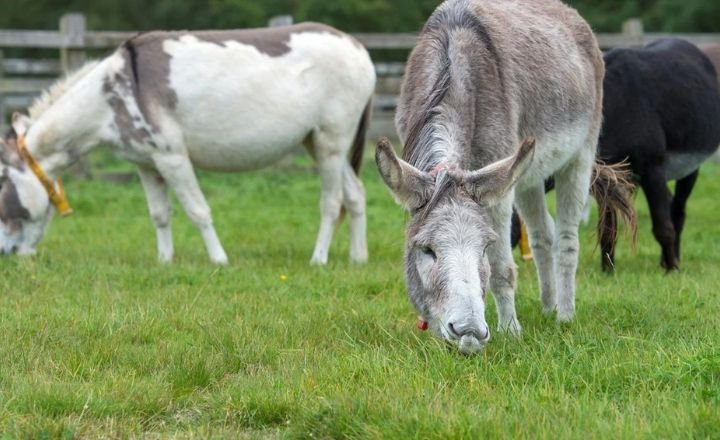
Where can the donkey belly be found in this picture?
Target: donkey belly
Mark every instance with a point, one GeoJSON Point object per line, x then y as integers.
{"type": "Point", "coordinates": [243, 149]}
{"type": "Point", "coordinates": [242, 122]}
{"type": "Point", "coordinates": [681, 165]}
{"type": "Point", "coordinates": [555, 151]}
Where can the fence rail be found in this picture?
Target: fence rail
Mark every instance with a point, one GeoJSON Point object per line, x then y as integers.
{"type": "Point", "coordinates": [22, 80]}
{"type": "Point", "coordinates": [89, 40]}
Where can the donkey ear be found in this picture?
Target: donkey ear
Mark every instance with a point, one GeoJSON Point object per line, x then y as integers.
{"type": "Point", "coordinates": [410, 187]}
{"type": "Point", "coordinates": [489, 185]}
{"type": "Point", "coordinates": [20, 123]}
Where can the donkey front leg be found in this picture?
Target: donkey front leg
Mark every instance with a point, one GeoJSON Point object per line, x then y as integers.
{"type": "Point", "coordinates": [573, 184]}
{"type": "Point", "coordinates": [158, 200]}
{"type": "Point", "coordinates": [178, 172]}
{"type": "Point", "coordinates": [503, 271]}
{"type": "Point", "coordinates": [531, 206]}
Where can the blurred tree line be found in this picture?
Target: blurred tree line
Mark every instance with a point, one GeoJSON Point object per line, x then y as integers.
{"type": "Point", "coordinates": [349, 15]}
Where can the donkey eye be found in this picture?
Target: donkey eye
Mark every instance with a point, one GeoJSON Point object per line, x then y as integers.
{"type": "Point", "coordinates": [485, 248]}
{"type": "Point", "coordinates": [429, 252]}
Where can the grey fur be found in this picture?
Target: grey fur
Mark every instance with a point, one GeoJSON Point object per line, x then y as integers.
{"type": "Point", "coordinates": [129, 127]}
{"type": "Point", "coordinates": [11, 210]}
{"type": "Point", "coordinates": [485, 76]}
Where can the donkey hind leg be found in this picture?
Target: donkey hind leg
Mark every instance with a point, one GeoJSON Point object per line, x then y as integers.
{"type": "Point", "coordinates": [683, 188]}
{"type": "Point", "coordinates": [178, 172]}
{"type": "Point", "coordinates": [158, 200]}
{"type": "Point", "coordinates": [354, 202]}
{"type": "Point", "coordinates": [573, 184]}
{"type": "Point", "coordinates": [329, 152]}
{"type": "Point", "coordinates": [531, 206]}
{"type": "Point", "coordinates": [659, 200]}
{"type": "Point", "coordinates": [503, 275]}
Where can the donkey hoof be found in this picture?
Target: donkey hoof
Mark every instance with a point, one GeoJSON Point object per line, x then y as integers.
{"type": "Point", "coordinates": [359, 259]}
{"type": "Point", "coordinates": [318, 261]}
{"type": "Point", "coordinates": [549, 310]}
{"type": "Point", "coordinates": [26, 252]}
{"type": "Point", "coordinates": [670, 266]}
{"type": "Point", "coordinates": [220, 260]}
{"type": "Point", "coordinates": [512, 328]}
{"type": "Point", "coordinates": [565, 314]}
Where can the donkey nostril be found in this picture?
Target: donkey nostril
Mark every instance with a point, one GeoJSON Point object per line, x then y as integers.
{"type": "Point", "coordinates": [452, 330]}
{"type": "Point", "coordinates": [481, 333]}
{"type": "Point", "coordinates": [484, 334]}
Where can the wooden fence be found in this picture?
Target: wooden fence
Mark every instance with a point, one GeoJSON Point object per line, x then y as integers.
{"type": "Point", "coordinates": [22, 80]}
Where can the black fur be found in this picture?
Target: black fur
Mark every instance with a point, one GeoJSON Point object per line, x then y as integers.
{"type": "Point", "coordinates": [659, 101]}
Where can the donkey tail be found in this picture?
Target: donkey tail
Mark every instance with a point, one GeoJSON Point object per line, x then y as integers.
{"type": "Point", "coordinates": [358, 147]}
{"type": "Point", "coordinates": [612, 186]}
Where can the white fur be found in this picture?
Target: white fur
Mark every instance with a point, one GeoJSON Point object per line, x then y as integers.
{"type": "Point", "coordinates": [35, 200]}
{"type": "Point", "coordinates": [237, 109]}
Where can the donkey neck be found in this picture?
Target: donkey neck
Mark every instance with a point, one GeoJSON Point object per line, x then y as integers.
{"type": "Point", "coordinates": [70, 126]}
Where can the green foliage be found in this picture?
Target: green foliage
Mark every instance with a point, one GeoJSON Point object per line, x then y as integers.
{"type": "Point", "coordinates": [350, 15]}
{"type": "Point", "coordinates": [657, 15]}
{"type": "Point", "coordinates": [97, 340]}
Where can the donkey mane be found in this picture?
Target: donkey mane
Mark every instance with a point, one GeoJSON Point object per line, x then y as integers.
{"type": "Point", "coordinates": [444, 184]}
{"type": "Point", "coordinates": [422, 132]}
{"type": "Point", "coordinates": [55, 91]}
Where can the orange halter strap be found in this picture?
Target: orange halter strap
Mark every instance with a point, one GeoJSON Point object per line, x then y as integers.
{"type": "Point", "coordinates": [54, 190]}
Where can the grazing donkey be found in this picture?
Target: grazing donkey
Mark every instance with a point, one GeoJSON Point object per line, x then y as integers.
{"type": "Point", "coordinates": [219, 100]}
{"type": "Point", "coordinates": [712, 51]}
{"type": "Point", "coordinates": [662, 114]}
{"type": "Point", "coordinates": [497, 97]}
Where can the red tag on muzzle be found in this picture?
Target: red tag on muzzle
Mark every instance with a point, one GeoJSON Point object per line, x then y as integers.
{"type": "Point", "coordinates": [422, 325]}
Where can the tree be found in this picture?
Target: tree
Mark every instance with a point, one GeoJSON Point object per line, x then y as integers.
{"type": "Point", "coordinates": [350, 15]}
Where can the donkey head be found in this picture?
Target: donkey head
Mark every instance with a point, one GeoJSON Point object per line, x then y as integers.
{"type": "Point", "coordinates": [24, 205]}
{"type": "Point", "coordinates": [446, 265]}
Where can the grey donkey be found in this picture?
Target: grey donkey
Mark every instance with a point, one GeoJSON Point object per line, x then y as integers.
{"type": "Point", "coordinates": [497, 96]}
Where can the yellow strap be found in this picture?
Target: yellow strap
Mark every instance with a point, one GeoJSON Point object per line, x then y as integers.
{"type": "Point", "coordinates": [57, 197]}
{"type": "Point", "coordinates": [525, 243]}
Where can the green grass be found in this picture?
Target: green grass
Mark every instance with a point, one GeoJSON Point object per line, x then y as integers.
{"type": "Point", "coordinates": [98, 340]}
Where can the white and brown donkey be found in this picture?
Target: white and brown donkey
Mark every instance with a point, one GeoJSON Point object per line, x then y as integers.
{"type": "Point", "coordinates": [497, 97]}
{"type": "Point", "coordinates": [218, 100]}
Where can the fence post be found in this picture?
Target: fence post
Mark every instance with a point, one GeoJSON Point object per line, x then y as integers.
{"type": "Point", "coordinates": [72, 25]}
{"type": "Point", "coordinates": [280, 20]}
{"type": "Point", "coordinates": [72, 58]}
{"type": "Point", "coordinates": [632, 29]}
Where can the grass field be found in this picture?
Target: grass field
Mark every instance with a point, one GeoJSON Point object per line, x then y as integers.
{"type": "Point", "coordinates": [98, 340]}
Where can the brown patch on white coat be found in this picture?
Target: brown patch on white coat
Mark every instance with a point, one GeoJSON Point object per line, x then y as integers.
{"type": "Point", "coordinates": [172, 101]}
